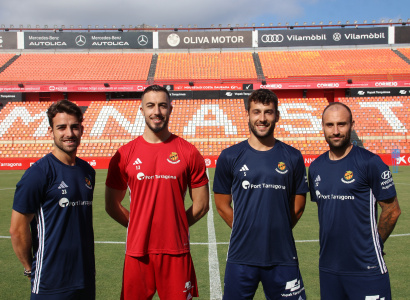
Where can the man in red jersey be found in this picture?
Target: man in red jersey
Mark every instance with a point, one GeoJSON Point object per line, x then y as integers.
{"type": "Point", "coordinates": [157, 168]}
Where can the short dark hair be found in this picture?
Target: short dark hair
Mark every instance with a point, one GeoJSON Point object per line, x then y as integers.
{"type": "Point", "coordinates": [263, 96]}
{"type": "Point", "coordinates": [64, 106]}
{"type": "Point", "coordinates": [156, 88]}
{"type": "Point", "coordinates": [341, 104]}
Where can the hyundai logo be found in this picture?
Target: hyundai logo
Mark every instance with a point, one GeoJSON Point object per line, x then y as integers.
{"type": "Point", "coordinates": [386, 175]}
{"type": "Point", "coordinates": [272, 38]}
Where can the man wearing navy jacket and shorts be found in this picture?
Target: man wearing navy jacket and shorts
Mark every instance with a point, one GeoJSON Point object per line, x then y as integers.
{"type": "Point", "coordinates": [51, 222]}
{"type": "Point", "coordinates": [266, 181]}
{"type": "Point", "coordinates": [347, 182]}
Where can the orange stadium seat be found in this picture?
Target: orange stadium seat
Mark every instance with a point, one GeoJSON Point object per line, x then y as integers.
{"type": "Point", "coordinates": [197, 66]}
{"type": "Point", "coordinates": [358, 62]}
{"type": "Point", "coordinates": [78, 67]}
{"type": "Point", "coordinates": [382, 123]}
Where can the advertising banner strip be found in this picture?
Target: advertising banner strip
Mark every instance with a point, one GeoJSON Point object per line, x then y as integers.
{"type": "Point", "coordinates": [322, 37]}
{"type": "Point", "coordinates": [402, 35]}
{"type": "Point", "coordinates": [8, 40]}
{"type": "Point", "coordinates": [87, 40]}
{"type": "Point", "coordinates": [205, 40]}
{"type": "Point", "coordinates": [33, 88]}
{"type": "Point", "coordinates": [210, 161]}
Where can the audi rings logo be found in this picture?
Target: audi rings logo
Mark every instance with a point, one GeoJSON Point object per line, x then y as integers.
{"type": "Point", "coordinates": [386, 175]}
{"type": "Point", "coordinates": [337, 36]}
{"type": "Point", "coordinates": [272, 38]}
{"type": "Point", "coordinates": [80, 40]}
{"type": "Point", "coordinates": [142, 40]}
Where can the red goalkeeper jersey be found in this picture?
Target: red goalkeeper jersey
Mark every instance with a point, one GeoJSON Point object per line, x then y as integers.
{"type": "Point", "coordinates": [157, 176]}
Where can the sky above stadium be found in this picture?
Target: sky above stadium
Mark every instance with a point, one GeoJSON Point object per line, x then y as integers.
{"type": "Point", "coordinates": [202, 13]}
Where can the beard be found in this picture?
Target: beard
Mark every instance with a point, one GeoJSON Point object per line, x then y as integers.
{"type": "Point", "coordinates": [254, 130]}
{"type": "Point", "coordinates": [342, 144]}
{"type": "Point", "coordinates": [158, 128]}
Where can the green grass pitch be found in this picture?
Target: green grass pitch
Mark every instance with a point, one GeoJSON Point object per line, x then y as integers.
{"type": "Point", "coordinates": [110, 256]}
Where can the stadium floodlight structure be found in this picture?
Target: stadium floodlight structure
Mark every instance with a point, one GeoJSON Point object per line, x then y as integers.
{"type": "Point", "coordinates": [347, 22]}
{"type": "Point", "coordinates": [28, 26]}
{"type": "Point", "coordinates": [365, 22]}
{"type": "Point", "coordinates": [330, 22]}
{"type": "Point", "coordinates": [45, 26]}
{"type": "Point", "coordinates": [253, 24]}
{"type": "Point", "coordinates": [279, 24]}
{"type": "Point", "coordinates": [270, 24]}
{"type": "Point", "coordinates": [287, 23]}
{"type": "Point", "coordinates": [212, 25]}
{"type": "Point", "coordinates": [313, 23]}
{"type": "Point", "coordinates": [3, 26]}
{"type": "Point", "coordinates": [246, 24]}
{"type": "Point", "coordinates": [355, 22]}
{"type": "Point", "coordinates": [374, 21]}
{"type": "Point", "coordinates": [195, 26]}
{"type": "Point", "coordinates": [164, 26]}
{"type": "Point", "coordinates": [80, 26]}
{"type": "Point", "coordinates": [382, 21]}
{"type": "Point", "coordinates": [305, 23]}
{"type": "Point", "coordinates": [71, 26]}
{"type": "Point", "coordinates": [263, 24]}
{"type": "Point", "coordinates": [21, 26]}
{"type": "Point", "coordinates": [339, 22]}
{"type": "Point", "coordinates": [296, 23]}
{"type": "Point", "coordinates": [38, 26]}
{"type": "Point", "coordinates": [391, 21]}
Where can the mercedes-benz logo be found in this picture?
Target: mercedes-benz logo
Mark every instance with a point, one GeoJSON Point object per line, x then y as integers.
{"type": "Point", "coordinates": [337, 36]}
{"type": "Point", "coordinates": [142, 40]}
{"type": "Point", "coordinates": [272, 38]}
{"type": "Point", "coordinates": [173, 40]}
{"type": "Point", "coordinates": [80, 40]}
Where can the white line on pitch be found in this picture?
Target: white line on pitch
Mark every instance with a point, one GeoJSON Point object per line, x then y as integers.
{"type": "Point", "coordinates": [215, 289]}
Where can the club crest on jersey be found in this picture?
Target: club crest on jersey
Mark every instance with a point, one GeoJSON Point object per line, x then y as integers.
{"type": "Point", "coordinates": [281, 169]}
{"type": "Point", "coordinates": [348, 177]}
{"type": "Point", "coordinates": [173, 158]}
{"type": "Point", "coordinates": [88, 183]}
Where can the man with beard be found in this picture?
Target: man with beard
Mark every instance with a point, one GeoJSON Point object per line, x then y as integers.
{"type": "Point", "coordinates": [346, 182]}
{"type": "Point", "coordinates": [51, 222]}
{"type": "Point", "coordinates": [157, 168]}
{"type": "Point", "coordinates": [265, 180]}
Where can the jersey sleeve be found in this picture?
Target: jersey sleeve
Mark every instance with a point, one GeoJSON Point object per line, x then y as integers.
{"type": "Point", "coordinates": [300, 179]}
{"type": "Point", "coordinates": [380, 179]}
{"type": "Point", "coordinates": [223, 176]}
{"type": "Point", "coordinates": [311, 184]}
{"type": "Point", "coordinates": [197, 169]}
{"type": "Point", "coordinates": [30, 191]}
{"type": "Point", "coordinates": [116, 178]}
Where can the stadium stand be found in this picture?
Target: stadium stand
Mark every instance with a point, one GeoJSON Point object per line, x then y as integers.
{"type": "Point", "coordinates": [67, 67]}
{"type": "Point", "coordinates": [366, 63]}
{"type": "Point", "coordinates": [382, 123]}
{"type": "Point", "coordinates": [211, 125]}
{"type": "Point", "coordinates": [201, 66]}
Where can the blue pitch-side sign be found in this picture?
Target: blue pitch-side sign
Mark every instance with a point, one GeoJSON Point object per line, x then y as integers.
{"type": "Point", "coordinates": [322, 37]}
